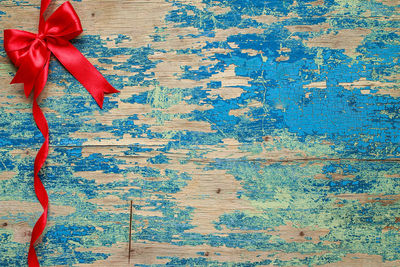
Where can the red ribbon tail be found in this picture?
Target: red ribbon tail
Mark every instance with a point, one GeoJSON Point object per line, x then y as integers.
{"type": "Point", "coordinates": [41, 156]}
{"type": "Point", "coordinates": [39, 188]}
{"type": "Point", "coordinates": [81, 69]}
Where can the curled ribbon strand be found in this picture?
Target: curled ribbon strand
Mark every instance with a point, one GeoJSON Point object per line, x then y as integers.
{"type": "Point", "coordinates": [30, 53]}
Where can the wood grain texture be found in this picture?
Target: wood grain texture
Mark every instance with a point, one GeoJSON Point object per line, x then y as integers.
{"type": "Point", "coordinates": [246, 133]}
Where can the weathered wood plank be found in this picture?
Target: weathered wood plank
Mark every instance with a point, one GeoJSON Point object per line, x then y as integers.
{"type": "Point", "coordinates": [188, 210]}
{"type": "Point", "coordinates": [246, 133]}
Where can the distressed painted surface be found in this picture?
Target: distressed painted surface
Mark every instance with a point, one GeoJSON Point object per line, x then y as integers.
{"type": "Point", "coordinates": [246, 133]}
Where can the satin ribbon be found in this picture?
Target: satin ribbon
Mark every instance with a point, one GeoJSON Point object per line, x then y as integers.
{"type": "Point", "coordinates": [31, 54]}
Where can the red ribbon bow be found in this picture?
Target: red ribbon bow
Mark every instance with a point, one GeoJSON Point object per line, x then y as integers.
{"type": "Point", "coordinates": [31, 54]}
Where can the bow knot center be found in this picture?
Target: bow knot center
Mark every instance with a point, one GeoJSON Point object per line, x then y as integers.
{"type": "Point", "coordinates": [41, 36]}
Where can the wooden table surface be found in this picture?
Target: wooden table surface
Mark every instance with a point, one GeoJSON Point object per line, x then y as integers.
{"type": "Point", "coordinates": [246, 133]}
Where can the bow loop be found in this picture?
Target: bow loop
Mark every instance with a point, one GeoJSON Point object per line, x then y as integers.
{"type": "Point", "coordinates": [29, 54]}
{"type": "Point", "coordinates": [31, 64]}
{"type": "Point", "coordinates": [17, 44]}
{"type": "Point", "coordinates": [64, 23]}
